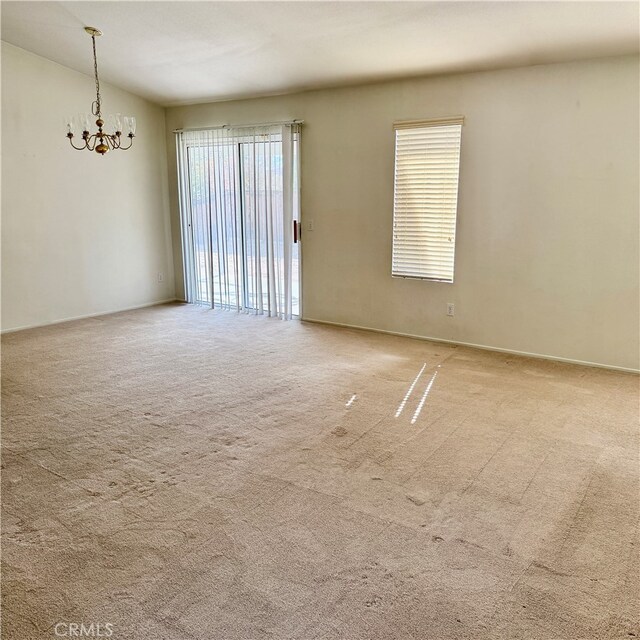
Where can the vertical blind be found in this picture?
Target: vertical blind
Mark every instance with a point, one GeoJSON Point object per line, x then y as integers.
{"type": "Point", "coordinates": [239, 197]}
{"type": "Point", "coordinates": [425, 202]}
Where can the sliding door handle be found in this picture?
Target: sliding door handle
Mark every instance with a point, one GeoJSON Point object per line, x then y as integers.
{"type": "Point", "coordinates": [297, 231]}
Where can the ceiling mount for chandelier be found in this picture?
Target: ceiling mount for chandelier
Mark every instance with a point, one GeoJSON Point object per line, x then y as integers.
{"type": "Point", "coordinates": [107, 137]}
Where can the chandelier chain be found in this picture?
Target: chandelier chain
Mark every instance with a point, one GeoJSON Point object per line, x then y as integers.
{"type": "Point", "coordinates": [96, 104]}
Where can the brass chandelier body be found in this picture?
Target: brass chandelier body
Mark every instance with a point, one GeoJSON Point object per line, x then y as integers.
{"type": "Point", "coordinates": [101, 142]}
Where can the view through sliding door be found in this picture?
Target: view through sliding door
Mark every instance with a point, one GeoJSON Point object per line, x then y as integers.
{"type": "Point", "coordinates": [240, 203]}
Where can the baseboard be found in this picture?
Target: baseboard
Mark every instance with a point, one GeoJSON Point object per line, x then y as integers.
{"type": "Point", "coordinates": [484, 347]}
{"type": "Point", "coordinates": [88, 315]}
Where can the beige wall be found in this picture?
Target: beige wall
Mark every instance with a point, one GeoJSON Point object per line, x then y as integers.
{"type": "Point", "coordinates": [81, 234]}
{"type": "Point", "coordinates": [547, 249]}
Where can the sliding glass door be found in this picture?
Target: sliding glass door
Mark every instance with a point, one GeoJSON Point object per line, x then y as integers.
{"type": "Point", "coordinates": [240, 208]}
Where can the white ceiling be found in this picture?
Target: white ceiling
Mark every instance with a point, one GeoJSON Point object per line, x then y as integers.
{"type": "Point", "coordinates": [188, 52]}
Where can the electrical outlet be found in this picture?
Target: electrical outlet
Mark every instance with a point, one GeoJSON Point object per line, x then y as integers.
{"type": "Point", "coordinates": [309, 225]}
{"type": "Point", "coordinates": [450, 309]}
{"type": "Point", "coordinates": [160, 276]}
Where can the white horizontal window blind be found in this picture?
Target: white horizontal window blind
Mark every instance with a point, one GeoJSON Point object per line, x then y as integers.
{"type": "Point", "coordinates": [425, 202]}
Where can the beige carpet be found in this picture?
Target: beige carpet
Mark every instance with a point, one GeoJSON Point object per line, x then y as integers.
{"type": "Point", "coordinates": [180, 473]}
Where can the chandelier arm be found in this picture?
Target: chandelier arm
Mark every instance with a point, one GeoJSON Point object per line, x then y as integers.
{"type": "Point", "coordinates": [130, 143]}
{"type": "Point", "coordinates": [94, 137]}
{"type": "Point", "coordinates": [78, 148]}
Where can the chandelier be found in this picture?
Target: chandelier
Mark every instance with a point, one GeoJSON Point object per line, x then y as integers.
{"type": "Point", "coordinates": [106, 138]}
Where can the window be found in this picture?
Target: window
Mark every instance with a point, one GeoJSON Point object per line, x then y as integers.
{"type": "Point", "coordinates": [425, 199]}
